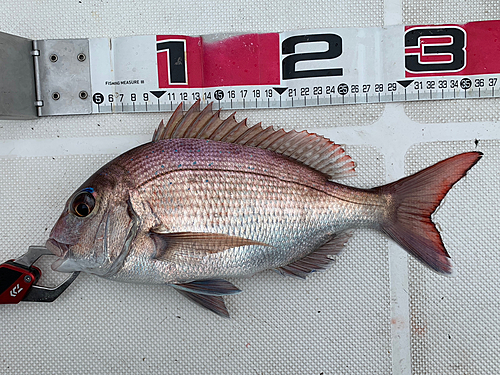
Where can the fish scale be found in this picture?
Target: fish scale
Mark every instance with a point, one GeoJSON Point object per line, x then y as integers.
{"type": "Point", "coordinates": [232, 194]}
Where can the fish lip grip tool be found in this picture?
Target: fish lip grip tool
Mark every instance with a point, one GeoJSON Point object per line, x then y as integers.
{"type": "Point", "coordinates": [18, 278]}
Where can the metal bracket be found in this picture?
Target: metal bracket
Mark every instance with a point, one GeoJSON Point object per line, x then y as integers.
{"type": "Point", "coordinates": [17, 78]}
{"type": "Point", "coordinates": [63, 82]}
{"type": "Point", "coordinates": [43, 77]}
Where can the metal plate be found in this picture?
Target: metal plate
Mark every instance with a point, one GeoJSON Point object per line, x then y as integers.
{"type": "Point", "coordinates": [64, 77]}
{"type": "Point", "coordinates": [17, 78]}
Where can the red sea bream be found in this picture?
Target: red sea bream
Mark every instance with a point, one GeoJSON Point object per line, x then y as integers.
{"type": "Point", "coordinates": [209, 199]}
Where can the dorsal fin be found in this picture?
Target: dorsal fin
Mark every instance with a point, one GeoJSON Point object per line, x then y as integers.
{"type": "Point", "coordinates": [310, 149]}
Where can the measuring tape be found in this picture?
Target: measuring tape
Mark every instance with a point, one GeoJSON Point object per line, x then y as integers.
{"type": "Point", "coordinates": [273, 70]}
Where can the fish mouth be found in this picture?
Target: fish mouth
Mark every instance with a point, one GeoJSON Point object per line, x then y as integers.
{"type": "Point", "coordinates": [59, 249]}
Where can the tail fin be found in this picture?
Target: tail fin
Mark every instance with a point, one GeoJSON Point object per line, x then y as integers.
{"type": "Point", "coordinates": [414, 200]}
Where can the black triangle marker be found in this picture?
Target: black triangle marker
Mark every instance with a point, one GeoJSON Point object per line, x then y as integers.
{"type": "Point", "coordinates": [280, 90]}
{"type": "Point", "coordinates": [158, 94]}
{"type": "Point", "coordinates": [405, 83]}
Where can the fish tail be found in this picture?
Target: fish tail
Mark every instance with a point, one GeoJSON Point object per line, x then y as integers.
{"type": "Point", "coordinates": [413, 199]}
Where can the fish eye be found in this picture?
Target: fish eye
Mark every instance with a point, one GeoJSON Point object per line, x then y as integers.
{"type": "Point", "coordinates": [83, 203]}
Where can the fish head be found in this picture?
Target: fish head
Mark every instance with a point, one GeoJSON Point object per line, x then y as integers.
{"type": "Point", "coordinates": [91, 233]}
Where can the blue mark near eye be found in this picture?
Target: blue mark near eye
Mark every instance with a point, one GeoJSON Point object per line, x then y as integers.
{"type": "Point", "coordinates": [163, 166]}
{"type": "Point", "coordinates": [89, 190]}
{"type": "Point", "coordinates": [175, 151]}
{"type": "Point", "coordinates": [206, 180]}
{"type": "Point", "coordinates": [194, 163]}
{"type": "Point", "coordinates": [210, 164]}
{"type": "Point", "coordinates": [162, 150]}
{"type": "Point", "coordinates": [180, 165]}
{"type": "Point", "coordinates": [170, 183]}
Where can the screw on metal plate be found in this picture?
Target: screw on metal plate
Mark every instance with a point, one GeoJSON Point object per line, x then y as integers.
{"type": "Point", "coordinates": [81, 57]}
{"type": "Point", "coordinates": [83, 95]}
{"type": "Point", "coordinates": [27, 278]}
{"type": "Point", "coordinates": [53, 58]}
{"type": "Point", "coordinates": [56, 96]}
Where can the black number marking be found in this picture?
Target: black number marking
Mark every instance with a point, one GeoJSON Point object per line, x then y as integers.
{"type": "Point", "coordinates": [98, 98]}
{"type": "Point", "coordinates": [465, 83]}
{"type": "Point", "coordinates": [415, 58]}
{"type": "Point", "coordinates": [342, 89]}
{"type": "Point", "coordinates": [176, 61]}
{"type": "Point", "coordinates": [330, 90]}
{"type": "Point", "coordinates": [288, 46]}
{"type": "Point", "coordinates": [431, 85]}
{"type": "Point", "coordinates": [442, 84]}
{"type": "Point", "coordinates": [218, 95]}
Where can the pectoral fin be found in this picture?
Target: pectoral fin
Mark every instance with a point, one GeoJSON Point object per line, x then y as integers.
{"type": "Point", "coordinates": [195, 244]}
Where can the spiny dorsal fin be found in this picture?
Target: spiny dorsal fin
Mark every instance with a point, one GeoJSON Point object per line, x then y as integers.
{"type": "Point", "coordinates": [310, 149]}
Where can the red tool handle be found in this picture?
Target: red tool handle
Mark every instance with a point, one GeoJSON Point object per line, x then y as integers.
{"type": "Point", "coordinates": [15, 281]}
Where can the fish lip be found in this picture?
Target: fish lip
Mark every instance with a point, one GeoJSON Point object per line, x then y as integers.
{"type": "Point", "coordinates": [57, 248]}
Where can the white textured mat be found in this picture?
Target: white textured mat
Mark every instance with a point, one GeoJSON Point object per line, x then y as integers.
{"type": "Point", "coordinates": [372, 313]}
{"type": "Point", "coordinates": [460, 316]}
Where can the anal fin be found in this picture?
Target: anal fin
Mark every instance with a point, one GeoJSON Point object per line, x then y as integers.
{"type": "Point", "coordinates": [320, 259]}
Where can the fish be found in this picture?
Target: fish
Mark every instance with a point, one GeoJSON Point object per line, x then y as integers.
{"type": "Point", "coordinates": [210, 199]}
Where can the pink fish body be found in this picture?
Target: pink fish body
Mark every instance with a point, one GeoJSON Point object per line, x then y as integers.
{"type": "Point", "coordinates": [210, 199]}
